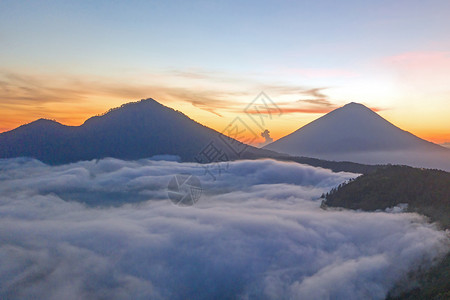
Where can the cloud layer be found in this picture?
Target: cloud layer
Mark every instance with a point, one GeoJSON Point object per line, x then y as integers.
{"type": "Point", "coordinates": [105, 229]}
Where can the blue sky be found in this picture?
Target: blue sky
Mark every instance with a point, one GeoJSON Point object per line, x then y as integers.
{"type": "Point", "coordinates": [232, 35]}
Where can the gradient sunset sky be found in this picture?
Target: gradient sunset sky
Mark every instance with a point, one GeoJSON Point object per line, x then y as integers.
{"type": "Point", "coordinates": [69, 60]}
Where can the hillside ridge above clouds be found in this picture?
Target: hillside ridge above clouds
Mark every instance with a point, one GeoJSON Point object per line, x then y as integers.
{"type": "Point", "coordinates": [133, 131]}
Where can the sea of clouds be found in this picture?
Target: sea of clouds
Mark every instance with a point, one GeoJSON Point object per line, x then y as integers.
{"type": "Point", "coordinates": [106, 230]}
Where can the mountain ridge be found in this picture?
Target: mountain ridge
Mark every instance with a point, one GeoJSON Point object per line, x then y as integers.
{"type": "Point", "coordinates": [132, 131]}
{"type": "Point", "coordinates": [356, 133]}
{"type": "Point", "coordinates": [344, 113]}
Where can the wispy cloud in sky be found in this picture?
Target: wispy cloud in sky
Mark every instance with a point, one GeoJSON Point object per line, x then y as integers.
{"type": "Point", "coordinates": [320, 73]}
{"type": "Point", "coordinates": [72, 99]}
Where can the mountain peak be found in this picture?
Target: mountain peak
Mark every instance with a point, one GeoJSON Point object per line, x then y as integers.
{"type": "Point", "coordinates": [129, 109]}
{"type": "Point", "coordinates": [144, 103]}
{"type": "Point", "coordinates": [353, 114]}
{"type": "Point", "coordinates": [355, 106]}
{"type": "Point", "coordinates": [43, 121]}
{"type": "Point", "coordinates": [39, 123]}
{"type": "Point", "coordinates": [353, 132]}
{"type": "Point", "coordinates": [353, 103]}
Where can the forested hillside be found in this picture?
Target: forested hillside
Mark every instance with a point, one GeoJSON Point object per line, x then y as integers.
{"type": "Point", "coordinates": [426, 192]}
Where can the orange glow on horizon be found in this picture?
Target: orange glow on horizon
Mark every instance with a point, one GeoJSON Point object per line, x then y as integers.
{"type": "Point", "coordinates": [293, 119]}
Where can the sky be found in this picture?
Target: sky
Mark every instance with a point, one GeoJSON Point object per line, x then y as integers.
{"type": "Point", "coordinates": [69, 60]}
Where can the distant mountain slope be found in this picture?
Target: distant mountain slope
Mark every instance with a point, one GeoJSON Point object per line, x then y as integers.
{"type": "Point", "coordinates": [335, 166]}
{"type": "Point", "coordinates": [133, 131]}
{"type": "Point", "coordinates": [356, 133]}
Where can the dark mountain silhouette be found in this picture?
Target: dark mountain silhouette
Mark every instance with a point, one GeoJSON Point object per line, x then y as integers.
{"type": "Point", "coordinates": [133, 131]}
{"type": "Point", "coordinates": [356, 133]}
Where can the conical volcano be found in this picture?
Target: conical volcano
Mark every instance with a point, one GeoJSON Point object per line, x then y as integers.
{"type": "Point", "coordinates": [356, 133]}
